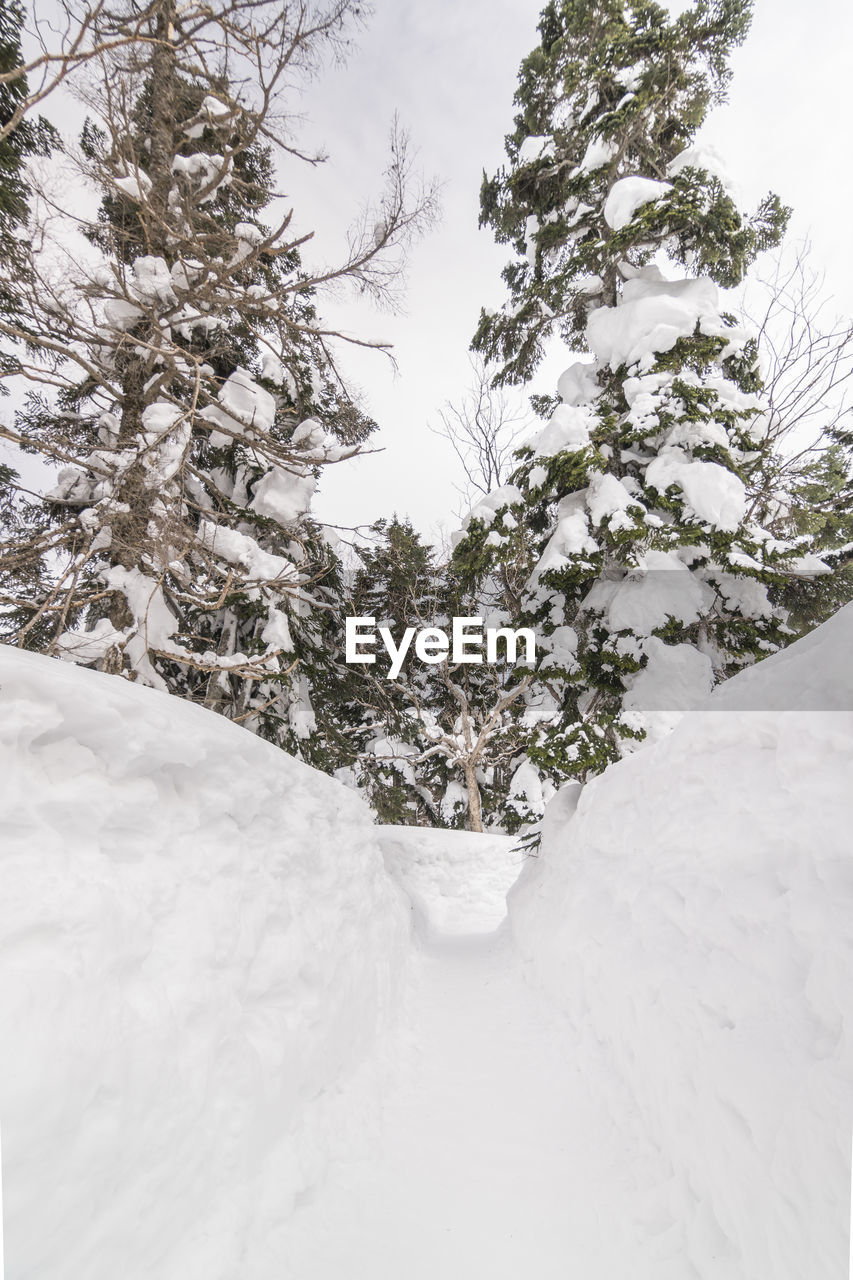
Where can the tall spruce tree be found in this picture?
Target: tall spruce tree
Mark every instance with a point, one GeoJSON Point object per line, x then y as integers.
{"type": "Point", "coordinates": [195, 395]}
{"type": "Point", "coordinates": [628, 522]}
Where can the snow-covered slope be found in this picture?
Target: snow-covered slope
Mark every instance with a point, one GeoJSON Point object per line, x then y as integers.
{"type": "Point", "coordinates": [694, 917]}
{"type": "Point", "coordinates": [197, 937]}
{"type": "Point", "coordinates": [456, 881]}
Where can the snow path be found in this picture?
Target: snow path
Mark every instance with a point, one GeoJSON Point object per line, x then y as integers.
{"type": "Point", "coordinates": [488, 1139]}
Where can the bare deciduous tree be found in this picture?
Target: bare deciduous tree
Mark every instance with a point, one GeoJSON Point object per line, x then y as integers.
{"type": "Point", "coordinates": [483, 429]}
{"type": "Point", "coordinates": [68, 38]}
{"type": "Point", "coordinates": [807, 363]}
{"type": "Point", "coordinates": [178, 365]}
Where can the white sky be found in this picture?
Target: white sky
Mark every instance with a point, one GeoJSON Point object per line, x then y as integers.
{"type": "Point", "coordinates": [448, 68]}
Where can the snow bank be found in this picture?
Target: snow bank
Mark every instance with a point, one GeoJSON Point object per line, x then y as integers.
{"type": "Point", "coordinates": [695, 919]}
{"type": "Point", "coordinates": [456, 881]}
{"type": "Point", "coordinates": [197, 937]}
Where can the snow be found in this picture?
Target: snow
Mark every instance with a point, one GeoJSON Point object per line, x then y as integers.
{"type": "Point", "coordinates": [121, 314]}
{"type": "Point", "coordinates": [694, 921]}
{"type": "Point", "coordinates": [712, 493]}
{"type": "Point", "coordinates": [535, 148]}
{"type": "Point", "coordinates": [653, 313]}
{"type": "Point", "coordinates": [486, 1137]}
{"type": "Point", "coordinates": [747, 595]}
{"type": "Point", "coordinates": [215, 108]}
{"type": "Point", "coordinates": [627, 195]}
{"type": "Point", "coordinates": [276, 633]}
{"type": "Point", "coordinates": [242, 549]}
{"type": "Point", "coordinates": [167, 432]}
{"type": "Point", "coordinates": [570, 538]}
{"type": "Point", "coordinates": [200, 166]}
{"type": "Point", "coordinates": [454, 801]}
{"type": "Point", "coordinates": [201, 940]}
{"type": "Point", "coordinates": [216, 114]}
{"type": "Point", "coordinates": [89, 646]}
{"type": "Point", "coordinates": [578, 383]}
{"type": "Point", "coordinates": [283, 495]}
{"type": "Point", "coordinates": [562, 646]}
{"type": "Point", "coordinates": [707, 158]}
{"type": "Point", "coordinates": [608, 499]}
{"type": "Point", "coordinates": [248, 238]}
{"type": "Point", "coordinates": [488, 506]}
{"type": "Point", "coordinates": [150, 282]}
{"type": "Point", "coordinates": [456, 882]}
{"type": "Point", "coordinates": [568, 428]}
{"type": "Point", "coordinates": [137, 185]}
{"type": "Point", "coordinates": [198, 941]}
{"type": "Point", "coordinates": [675, 679]}
{"type": "Point", "coordinates": [153, 280]}
{"type": "Point", "coordinates": [646, 598]}
{"type": "Point", "coordinates": [247, 409]}
{"type": "Point", "coordinates": [599, 152]}
{"type": "Point", "coordinates": [525, 790]}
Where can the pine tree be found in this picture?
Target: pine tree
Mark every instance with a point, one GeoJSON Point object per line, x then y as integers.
{"type": "Point", "coordinates": [628, 523]}
{"type": "Point", "coordinates": [819, 504]}
{"type": "Point", "coordinates": [614, 90]}
{"type": "Point", "coordinates": [396, 584]}
{"type": "Point", "coordinates": [200, 396]}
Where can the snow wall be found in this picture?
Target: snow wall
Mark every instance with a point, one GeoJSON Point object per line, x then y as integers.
{"type": "Point", "coordinates": [694, 918]}
{"type": "Point", "coordinates": [197, 937]}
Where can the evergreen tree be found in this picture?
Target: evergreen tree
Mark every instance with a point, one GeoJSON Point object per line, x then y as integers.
{"type": "Point", "coordinates": [615, 89]}
{"type": "Point", "coordinates": [628, 524]}
{"type": "Point", "coordinates": [396, 585]}
{"type": "Point", "coordinates": [198, 393]}
{"type": "Point", "coordinates": [819, 504]}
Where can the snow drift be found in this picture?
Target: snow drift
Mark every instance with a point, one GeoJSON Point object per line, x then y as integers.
{"type": "Point", "coordinates": [694, 917]}
{"type": "Point", "coordinates": [197, 937]}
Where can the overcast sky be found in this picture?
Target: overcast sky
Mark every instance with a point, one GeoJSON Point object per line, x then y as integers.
{"type": "Point", "coordinates": [448, 68]}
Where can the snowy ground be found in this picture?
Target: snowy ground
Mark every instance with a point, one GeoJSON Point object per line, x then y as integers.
{"type": "Point", "coordinates": [490, 1153]}
{"type": "Point", "coordinates": [198, 938]}
{"type": "Point", "coordinates": [646, 1072]}
{"type": "Point", "coordinates": [694, 918]}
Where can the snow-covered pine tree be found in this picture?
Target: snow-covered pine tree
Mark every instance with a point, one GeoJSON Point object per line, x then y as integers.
{"type": "Point", "coordinates": [192, 388]}
{"type": "Point", "coordinates": [647, 574]}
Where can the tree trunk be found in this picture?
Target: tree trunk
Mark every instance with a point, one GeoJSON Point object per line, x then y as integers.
{"type": "Point", "coordinates": [131, 529]}
{"type": "Point", "coordinates": [475, 813]}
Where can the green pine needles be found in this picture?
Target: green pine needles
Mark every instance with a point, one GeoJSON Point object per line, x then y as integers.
{"type": "Point", "coordinates": [612, 89]}
{"type": "Point", "coordinates": [629, 533]}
